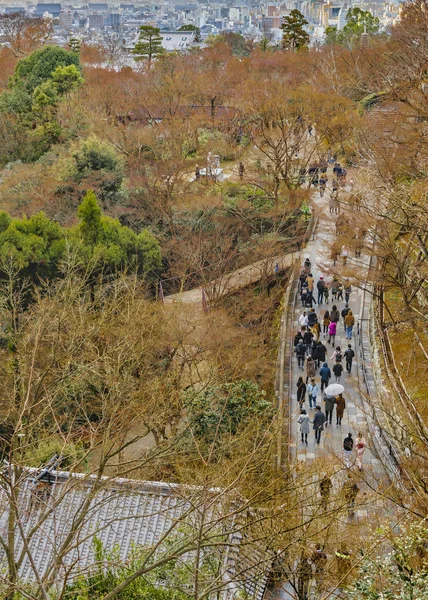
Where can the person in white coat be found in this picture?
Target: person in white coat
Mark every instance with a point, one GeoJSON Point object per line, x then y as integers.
{"type": "Point", "coordinates": [303, 319]}
{"type": "Point", "coordinates": [304, 421]}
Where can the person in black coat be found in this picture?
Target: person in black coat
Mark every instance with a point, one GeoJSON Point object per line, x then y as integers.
{"type": "Point", "coordinates": [319, 419]}
{"type": "Point", "coordinates": [320, 353]}
{"type": "Point", "coordinates": [301, 391]}
{"type": "Point", "coordinates": [338, 370]}
{"type": "Point", "coordinates": [310, 300]}
{"type": "Point", "coordinates": [308, 336]}
{"type": "Point", "coordinates": [297, 338]}
{"type": "Point", "coordinates": [349, 355]}
{"type": "Point", "coordinates": [300, 353]}
{"type": "Point", "coordinates": [312, 318]}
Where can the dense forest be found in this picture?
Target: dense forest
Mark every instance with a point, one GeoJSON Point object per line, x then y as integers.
{"type": "Point", "coordinates": [120, 188]}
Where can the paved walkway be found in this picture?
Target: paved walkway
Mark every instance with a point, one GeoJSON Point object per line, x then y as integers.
{"type": "Point", "coordinates": [327, 457]}
{"type": "Point", "coordinates": [354, 419]}
{"type": "Point", "coordinates": [231, 282]}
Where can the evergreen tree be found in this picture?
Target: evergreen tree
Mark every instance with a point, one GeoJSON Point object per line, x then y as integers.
{"type": "Point", "coordinates": [360, 21]}
{"type": "Point", "coordinates": [294, 37]}
{"type": "Point", "coordinates": [190, 27]}
{"type": "Point", "coordinates": [357, 22]}
{"type": "Point", "coordinates": [149, 44]}
{"type": "Point", "coordinates": [74, 44]}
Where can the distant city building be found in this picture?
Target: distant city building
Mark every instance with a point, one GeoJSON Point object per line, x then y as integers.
{"type": "Point", "coordinates": [98, 6]}
{"type": "Point", "coordinates": [177, 40]}
{"type": "Point", "coordinates": [11, 10]}
{"type": "Point", "coordinates": [66, 20]}
{"type": "Point", "coordinates": [113, 21]}
{"type": "Point", "coordinates": [47, 7]}
{"type": "Point", "coordinates": [95, 21]}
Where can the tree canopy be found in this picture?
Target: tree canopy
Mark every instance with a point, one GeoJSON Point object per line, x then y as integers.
{"type": "Point", "coordinates": [40, 65]}
{"type": "Point", "coordinates": [191, 27]}
{"type": "Point", "coordinates": [357, 22]}
{"type": "Point", "coordinates": [149, 44]}
{"type": "Point", "coordinates": [37, 245]}
{"type": "Point", "coordinates": [294, 36]}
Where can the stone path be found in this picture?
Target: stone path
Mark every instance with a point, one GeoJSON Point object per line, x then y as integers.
{"type": "Point", "coordinates": [231, 282]}
{"type": "Point", "coordinates": [354, 418]}
{"type": "Point", "coordinates": [327, 457]}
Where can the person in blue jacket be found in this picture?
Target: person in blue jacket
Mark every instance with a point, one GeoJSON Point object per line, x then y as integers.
{"type": "Point", "coordinates": [325, 374]}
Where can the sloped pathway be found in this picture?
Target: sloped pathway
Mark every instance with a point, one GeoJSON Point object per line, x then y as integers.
{"type": "Point", "coordinates": [327, 457]}
{"type": "Point", "coordinates": [231, 282]}
{"type": "Point", "coordinates": [354, 419]}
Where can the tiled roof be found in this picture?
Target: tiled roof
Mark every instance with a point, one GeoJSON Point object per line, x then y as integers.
{"type": "Point", "coordinates": [125, 513]}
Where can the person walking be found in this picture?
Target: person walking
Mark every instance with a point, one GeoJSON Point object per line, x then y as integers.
{"type": "Point", "coordinates": [316, 331]}
{"type": "Point", "coordinates": [304, 294]}
{"type": "Point", "coordinates": [297, 338]}
{"type": "Point", "coordinates": [310, 300]}
{"type": "Point", "coordinates": [325, 491]}
{"type": "Point", "coordinates": [348, 290]}
{"type": "Point", "coordinates": [304, 421]}
{"type": "Point", "coordinates": [302, 279]}
{"type": "Point", "coordinates": [349, 355]}
{"type": "Point", "coordinates": [343, 563]}
{"type": "Point", "coordinates": [332, 329]}
{"type": "Point", "coordinates": [300, 353]}
{"type": "Point", "coordinates": [329, 402]}
{"type": "Point", "coordinates": [304, 576]}
{"type": "Point", "coordinates": [325, 375]}
{"type": "Point", "coordinates": [350, 491]}
{"type": "Point", "coordinates": [312, 317]}
{"type": "Point", "coordinates": [340, 408]}
{"type": "Point", "coordinates": [319, 354]}
{"type": "Point", "coordinates": [360, 444]}
{"type": "Point", "coordinates": [334, 314]}
{"type": "Point", "coordinates": [303, 319]}
{"type": "Point", "coordinates": [319, 561]}
{"type": "Point", "coordinates": [311, 282]}
{"type": "Point", "coordinates": [334, 286]}
{"type": "Point", "coordinates": [314, 393]}
{"type": "Point", "coordinates": [337, 370]}
{"type": "Point", "coordinates": [301, 391]}
{"type": "Point", "coordinates": [310, 368]}
{"type": "Point", "coordinates": [321, 288]}
{"type": "Point", "coordinates": [318, 423]}
{"type": "Point", "coordinates": [344, 313]}
{"type": "Point", "coordinates": [348, 445]}
{"type": "Point", "coordinates": [325, 322]}
{"type": "Point", "coordinates": [308, 336]}
{"type": "Point", "coordinates": [326, 294]}
{"type": "Point", "coordinates": [349, 324]}
{"type": "Point", "coordinates": [337, 355]}
{"type": "Point", "coordinates": [340, 292]}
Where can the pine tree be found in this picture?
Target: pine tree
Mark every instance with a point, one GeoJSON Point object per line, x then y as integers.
{"type": "Point", "coordinates": [74, 44]}
{"type": "Point", "coordinates": [149, 44]}
{"type": "Point", "coordinates": [197, 31]}
{"type": "Point", "coordinates": [294, 36]}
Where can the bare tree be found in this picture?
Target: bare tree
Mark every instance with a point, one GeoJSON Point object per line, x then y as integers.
{"type": "Point", "coordinates": [24, 33]}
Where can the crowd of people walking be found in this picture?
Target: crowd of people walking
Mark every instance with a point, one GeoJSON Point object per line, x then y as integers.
{"type": "Point", "coordinates": [320, 391]}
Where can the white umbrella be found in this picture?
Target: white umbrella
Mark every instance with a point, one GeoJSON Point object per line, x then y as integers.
{"type": "Point", "coordinates": [333, 389]}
